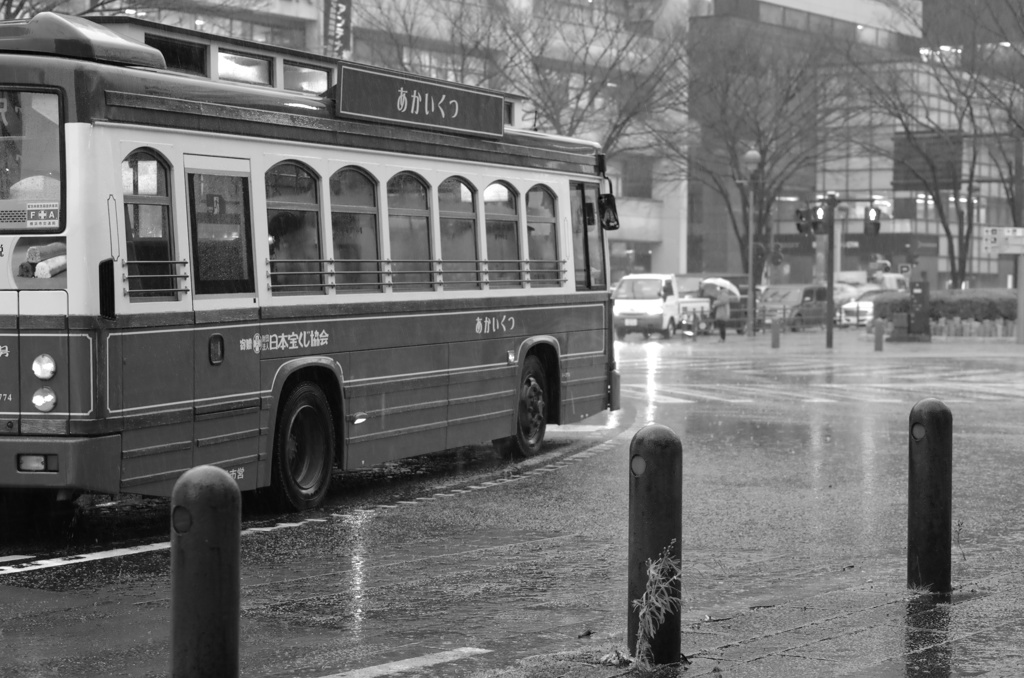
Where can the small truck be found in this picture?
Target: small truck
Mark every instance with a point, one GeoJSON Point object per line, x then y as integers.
{"type": "Point", "coordinates": [651, 302]}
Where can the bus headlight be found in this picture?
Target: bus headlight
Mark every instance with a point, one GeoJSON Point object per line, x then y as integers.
{"type": "Point", "coordinates": [44, 399]}
{"type": "Point", "coordinates": [44, 367]}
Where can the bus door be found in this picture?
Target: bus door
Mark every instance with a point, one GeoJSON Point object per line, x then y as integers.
{"type": "Point", "coordinates": [585, 354]}
{"type": "Point", "coordinates": [226, 336]}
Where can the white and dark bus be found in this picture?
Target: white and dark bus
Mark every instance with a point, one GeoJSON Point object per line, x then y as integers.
{"type": "Point", "coordinates": [213, 251]}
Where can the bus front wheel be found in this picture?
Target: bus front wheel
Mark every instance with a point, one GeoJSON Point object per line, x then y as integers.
{"type": "Point", "coordinates": [531, 413]}
{"type": "Point", "coordinates": [303, 449]}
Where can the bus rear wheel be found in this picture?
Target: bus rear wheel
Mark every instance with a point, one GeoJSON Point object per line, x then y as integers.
{"type": "Point", "coordinates": [303, 449]}
{"type": "Point", "coordinates": [531, 413]}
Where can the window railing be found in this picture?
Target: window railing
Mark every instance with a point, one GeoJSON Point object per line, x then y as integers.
{"type": "Point", "coordinates": [316, 276]}
{"type": "Point", "coordinates": [154, 279]}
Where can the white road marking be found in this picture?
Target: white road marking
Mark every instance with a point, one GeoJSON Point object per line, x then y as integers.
{"type": "Point", "coordinates": [85, 557]}
{"type": "Point", "coordinates": [30, 565]}
{"type": "Point", "coordinates": [392, 668]}
{"type": "Point", "coordinates": [637, 392]}
{"type": "Point", "coordinates": [577, 428]}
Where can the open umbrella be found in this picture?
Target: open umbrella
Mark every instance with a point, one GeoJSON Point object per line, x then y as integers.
{"type": "Point", "coordinates": [721, 283]}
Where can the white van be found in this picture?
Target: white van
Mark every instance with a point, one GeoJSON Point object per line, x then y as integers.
{"type": "Point", "coordinates": [645, 302]}
{"type": "Point", "coordinates": [654, 302]}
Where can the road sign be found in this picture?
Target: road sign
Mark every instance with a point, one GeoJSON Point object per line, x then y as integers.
{"type": "Point", "coordinates": [995, 240]}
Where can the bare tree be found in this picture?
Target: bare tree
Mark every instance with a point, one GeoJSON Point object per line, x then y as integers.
{"type": "Point", "coordinates": [601, 71]}
{"type": "Point", "coordinates": [452, 39]}
{"type": "Point", "coordinates": [23, 9]}
{"type": "Point", "coordinates": [592, 71]}
{"type": "Point", "coordinates": [752, 90]}
{"type": "Point", "coordinates": [950, 116]}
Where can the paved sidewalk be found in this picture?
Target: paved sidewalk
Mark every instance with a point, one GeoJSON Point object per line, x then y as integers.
{"type": "Point", "coordinates": [869, 631]}
{"type": "Point", "coordinates": [870, 627]}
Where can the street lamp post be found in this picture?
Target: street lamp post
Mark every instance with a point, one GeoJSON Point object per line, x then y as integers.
{"type": "Point", "coordinates": [751, 161]}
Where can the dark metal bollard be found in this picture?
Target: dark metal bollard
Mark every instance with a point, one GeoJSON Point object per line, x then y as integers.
{"type": "Point", "coordinates": [879, 333]}
{"type": "Point", "coordinates": [775, 333]}
{"type": "Point", "coordinates": [655, 519]}
{"type": "Point", "coordinates": [206, 515]}
{"type": "Point", "coordinates": [930, 497]}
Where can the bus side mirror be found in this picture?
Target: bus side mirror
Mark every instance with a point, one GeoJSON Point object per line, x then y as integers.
{"type": "Point", "coordinates": [609, 214]}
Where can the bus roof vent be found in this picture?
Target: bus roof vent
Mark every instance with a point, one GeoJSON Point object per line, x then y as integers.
{"type": "Point", "coordinates": [77, 38]}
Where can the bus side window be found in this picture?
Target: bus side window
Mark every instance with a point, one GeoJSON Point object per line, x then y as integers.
{"type": "Point", "coordinates": [354, 225]}
{"type": "Point", "coordinates": [457, 204]}
{"type": "Point", "coordinates": [502, 230]}
{"type": "Point", "coordinates": [150, 248]}
{"type": "Point", "coordinates": [409, 232]}
{"type": "Point", "coordinates": [542, 237]}
{"type": "Point", "coordinates": [293, 226]}
{"type": "Point", "coordinates": [221, 233]}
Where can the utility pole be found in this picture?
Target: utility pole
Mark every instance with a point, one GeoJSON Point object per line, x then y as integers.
{"type": "Point", "coordinates": [830, 224]}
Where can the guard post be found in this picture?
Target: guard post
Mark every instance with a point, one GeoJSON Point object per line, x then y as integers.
{"type": "Point", "coordinates": [879, 333]}
{"type": "Point", "coordinates": [655, 520]}
{"type": "Point", "coordinates": [930, 497]}
{"type": "Point", "coordinates": [206, 514]}
{"type": "Point", "coordinates": [775, 332]}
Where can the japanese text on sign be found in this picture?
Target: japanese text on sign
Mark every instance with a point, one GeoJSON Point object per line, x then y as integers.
{"type": "Point", "coordinates": [42, 214]}
{"type": "Point", "coordinates": [419, 102]}
{"type": "Point", "coordinates": [262, 343]}
{"type": "Point", "coordinates": [493, 324]}
{"type": "Point", "coordinates": [431, 104]}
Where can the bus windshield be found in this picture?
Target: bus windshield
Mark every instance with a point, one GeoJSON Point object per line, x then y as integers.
{"type": "Point", "coordinates": [30, 163]}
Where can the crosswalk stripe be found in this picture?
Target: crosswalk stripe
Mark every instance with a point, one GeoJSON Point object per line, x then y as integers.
{"type": "Point", "coordinates": [392, 668]}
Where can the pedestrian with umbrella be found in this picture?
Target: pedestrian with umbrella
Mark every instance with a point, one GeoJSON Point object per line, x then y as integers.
{"type": "Point", "coordinates": [720, 311]}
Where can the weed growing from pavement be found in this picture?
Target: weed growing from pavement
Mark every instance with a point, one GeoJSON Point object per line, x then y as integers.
{"type": "Point", "coordinates": [956, 535]}
{"type": "Point", "coordinates": [664, 576]}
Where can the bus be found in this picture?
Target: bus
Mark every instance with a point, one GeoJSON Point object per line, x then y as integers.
{"type": "Point", "coordinates": [216, 251]}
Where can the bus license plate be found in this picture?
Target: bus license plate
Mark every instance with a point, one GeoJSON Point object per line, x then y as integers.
{"type": "Point", "coordinates": [630, 322]}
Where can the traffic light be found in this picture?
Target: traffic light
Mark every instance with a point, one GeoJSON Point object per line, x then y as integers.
{"type": "Point", "coordinates": [803, 222]}
{"type": "Point", "coordinates": [777, 257]}
{"type": "Point", "coordinates": [818, 218]}
{"type": "Point", "coordinates": [872, 220]}
{"type": "Point", "coordinates": [911, 254]}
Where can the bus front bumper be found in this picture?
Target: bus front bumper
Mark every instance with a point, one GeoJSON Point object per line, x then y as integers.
{"type": "Point", "coordinates": [86, 464]}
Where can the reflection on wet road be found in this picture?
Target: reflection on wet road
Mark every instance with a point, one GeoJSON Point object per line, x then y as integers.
{"type": "Point", "coordinates": [794, 483]}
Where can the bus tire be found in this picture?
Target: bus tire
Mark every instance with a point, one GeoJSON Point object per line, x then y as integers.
{"type": "Point", "coordinates": [304, 444]}
{"type": "Point", "coordinates": [531, 415]}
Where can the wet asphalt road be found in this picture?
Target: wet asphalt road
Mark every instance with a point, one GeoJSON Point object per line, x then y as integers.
{"type": "Point", "coordinates": [794, 477]}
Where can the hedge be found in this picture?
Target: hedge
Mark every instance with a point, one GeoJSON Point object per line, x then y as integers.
{"type": "Point", "coordinates": [977, 304]}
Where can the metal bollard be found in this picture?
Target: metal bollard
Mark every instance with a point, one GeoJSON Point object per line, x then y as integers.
{"type": "Point", "coordinates": [775, 333]}
{"type": "Point", "coordinates": [930, 497]}
{"type": "Point", "coordinates": [879, 333]}
{"type": "Point", "coordinates": [655, 519]}
{"type": "Point", "coordinates": [206, 515]}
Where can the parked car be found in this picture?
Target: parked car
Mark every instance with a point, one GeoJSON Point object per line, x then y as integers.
{"type": "Point", "coordinates": [812, 309]}
{"type": "Point", "coordinates": [860, 312]}
{"type": "Point", "coordinates": [778, 301]}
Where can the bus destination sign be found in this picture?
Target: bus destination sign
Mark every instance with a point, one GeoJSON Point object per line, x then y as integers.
{"type": "Point", "coordinates": [420, 102]}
